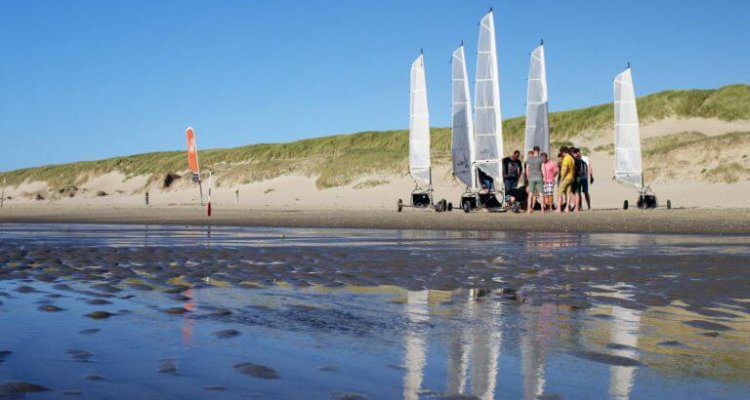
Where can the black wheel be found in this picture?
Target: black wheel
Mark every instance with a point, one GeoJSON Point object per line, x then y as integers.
{"type": "Point", "coordinates": [450, 206]}
{"type": "Point", "coordinates": [625, 205]}
{"type": "Point", "coordinates": [669, 204]}
{"type": "Point", "coordinates": [400, 205]}
{"type": "Point", "coordinates": [466, 206]}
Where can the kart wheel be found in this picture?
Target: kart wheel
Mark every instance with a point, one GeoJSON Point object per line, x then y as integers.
{"type": "Point", "coordinates": [450, 206]}
{"type": "Point", "coordinates": [625, 205]}
{"type": "Point", "coordinates": [466, 206]}
{"type": "Point", "coordinates": [400, 205]}
{"type": "Point", "coordinates": [669, 204]}
{"type": "Point", "coordinates": [444, 204]}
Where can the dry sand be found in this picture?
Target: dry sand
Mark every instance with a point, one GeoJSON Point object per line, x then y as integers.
{"type": "Point", "coordinates": [651, 221]}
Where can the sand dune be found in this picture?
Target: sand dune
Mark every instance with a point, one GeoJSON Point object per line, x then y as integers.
{"type": "Point", "coordinates": [683, 185]}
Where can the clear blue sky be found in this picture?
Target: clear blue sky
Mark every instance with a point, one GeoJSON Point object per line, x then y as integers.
{"type": "Point", "coordinates": [94, 79]}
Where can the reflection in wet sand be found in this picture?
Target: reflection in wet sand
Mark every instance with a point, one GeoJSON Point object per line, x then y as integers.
{"type": "Point", "coordinates": [624, 332]}
{"type": "Point", "coordinates": [573, 316]}
{"type": "Point", "coordinates": [486, 347]}
{"type": "Point", "coordinates": [474, 348]}
{"type": "Point", "coordinates": [415, 343]}
{"type": "Point", "coordinates": [536, 326]}
{"type": "Point", "coordinates": [459, 347]}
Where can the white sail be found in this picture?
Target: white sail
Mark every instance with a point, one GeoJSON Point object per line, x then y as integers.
{"type": "Point", "coordinates": [537, 114]}
{"type": "Point", "coordinates": [419, 124]}
{"type": "Point", "coordinates": [628, 165]}
{"type": "Point", "coordinates": [462, 140]}
{"type": "Point", "coordinates": [488, 121]}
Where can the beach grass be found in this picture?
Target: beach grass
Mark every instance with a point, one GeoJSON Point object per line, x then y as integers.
{"type": "Point", "coordinates": [341, 159]}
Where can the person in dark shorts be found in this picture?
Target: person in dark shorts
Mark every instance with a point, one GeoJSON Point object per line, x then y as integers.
{"type": "Point", "coordinates": [585, 184]}
{"type": "Point", "coordinates": [512, 170]}
{"type": "Point", "coordinates": [580, 180]}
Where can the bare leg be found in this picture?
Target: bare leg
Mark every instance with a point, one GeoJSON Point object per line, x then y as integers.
{"type": "Point", "coordinates": [542, 199]}
{"type": "Point", "coordinates": [588, 200]}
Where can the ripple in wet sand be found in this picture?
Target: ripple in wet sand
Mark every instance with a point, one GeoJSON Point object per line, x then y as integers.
{"type": "Point", "coordinates": [176, 310]}
{"type": "Point", "coordinates": [167, 366]}
{"type": "Point", "coordinates": [50, 308]}
{"type": "Point", "coordinates": [609, 359]}
{"type": "Point", "coordinates": [707, 325]}
{"type": "Point", "coordinates": [99, 315]}
{"type": "Point", "coordinates": [257, 371]}
{"type": "Point", "coordinates": [227, 333]}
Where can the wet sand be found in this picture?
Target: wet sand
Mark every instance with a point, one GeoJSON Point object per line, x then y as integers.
{"type": "Point", "coordinates": [612, 221]}
{"type": "Point", "coordinates": [124, 311]}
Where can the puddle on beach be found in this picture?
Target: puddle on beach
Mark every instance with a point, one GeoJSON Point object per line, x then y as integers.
{"type": "Point", "coordinates": [164, 312]}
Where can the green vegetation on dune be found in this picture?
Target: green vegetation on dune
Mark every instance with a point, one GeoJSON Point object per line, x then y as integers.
{"type": "Point", "coordinates": [716, 159]}
{"type": "Point", "coordinates": [340, 160]}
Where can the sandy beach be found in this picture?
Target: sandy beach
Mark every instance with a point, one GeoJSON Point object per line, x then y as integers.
{"type": "Point", "coordinates": [719, 221]}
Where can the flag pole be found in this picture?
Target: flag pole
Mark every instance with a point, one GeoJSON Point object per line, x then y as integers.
{"type": "Point", "coordinates": [200, 189]}
{"type": "Point", "coordinates": [210, 174]}
{"type": "Point", "coordinates": [2, 198]}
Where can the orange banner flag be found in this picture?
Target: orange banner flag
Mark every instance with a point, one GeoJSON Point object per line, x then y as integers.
{"type": "Point", "coordinates": [193, 154]}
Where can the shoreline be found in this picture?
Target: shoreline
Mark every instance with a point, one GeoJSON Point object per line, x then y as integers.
{"type": "Point", "coordinates": [680, 221]}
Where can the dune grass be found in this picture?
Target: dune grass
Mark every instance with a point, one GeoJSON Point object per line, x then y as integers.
{"type": "Point", "coordinates": [715, 159]}
{"type": "Point", "coordinates": [339, 160]}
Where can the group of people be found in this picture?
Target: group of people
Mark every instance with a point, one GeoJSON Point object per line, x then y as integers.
{"type": "Point", "coordinates": [571, 173]}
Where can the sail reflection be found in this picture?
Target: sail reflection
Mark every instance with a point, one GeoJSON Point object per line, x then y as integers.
{"type": "Point", "coordinates": [474, 344]}
{"type": "Point", "coordinates": [624, 333]}
{"type": "Point", "coordinates": [415, 342]}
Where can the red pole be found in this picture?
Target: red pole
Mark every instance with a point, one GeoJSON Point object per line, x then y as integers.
{"type": "Point", "coordinates": [209, 208]}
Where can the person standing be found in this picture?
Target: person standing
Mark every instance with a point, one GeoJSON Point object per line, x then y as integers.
{"type": "Point", "coordinates": [549, 176]}
{"type": "Point", "coordinates": [565, 189]}
{"type": "Point", "coordinates": [579, 173]}
{"type": "Point", "coordinates": [512, 170]}
{"type": "Point", "coordinates": [587, 178]}
{"type": "Point", "coordinates": [534, 179]}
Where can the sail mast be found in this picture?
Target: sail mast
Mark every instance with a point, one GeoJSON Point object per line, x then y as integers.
{"type": "Point", "coordinates": [462, 125]}
{"type": "Point", "coordinates": [537, 103]}
{"type": "Point", "coordinates": [628, 167]}
{"type": "Point", "coordinates": [488, 126]}
{"type": "Point", "coordinates": [419, 125]}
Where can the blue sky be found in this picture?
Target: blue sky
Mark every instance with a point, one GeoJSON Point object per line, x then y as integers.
{"type": "Point", "coordinates": [94, 79]}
